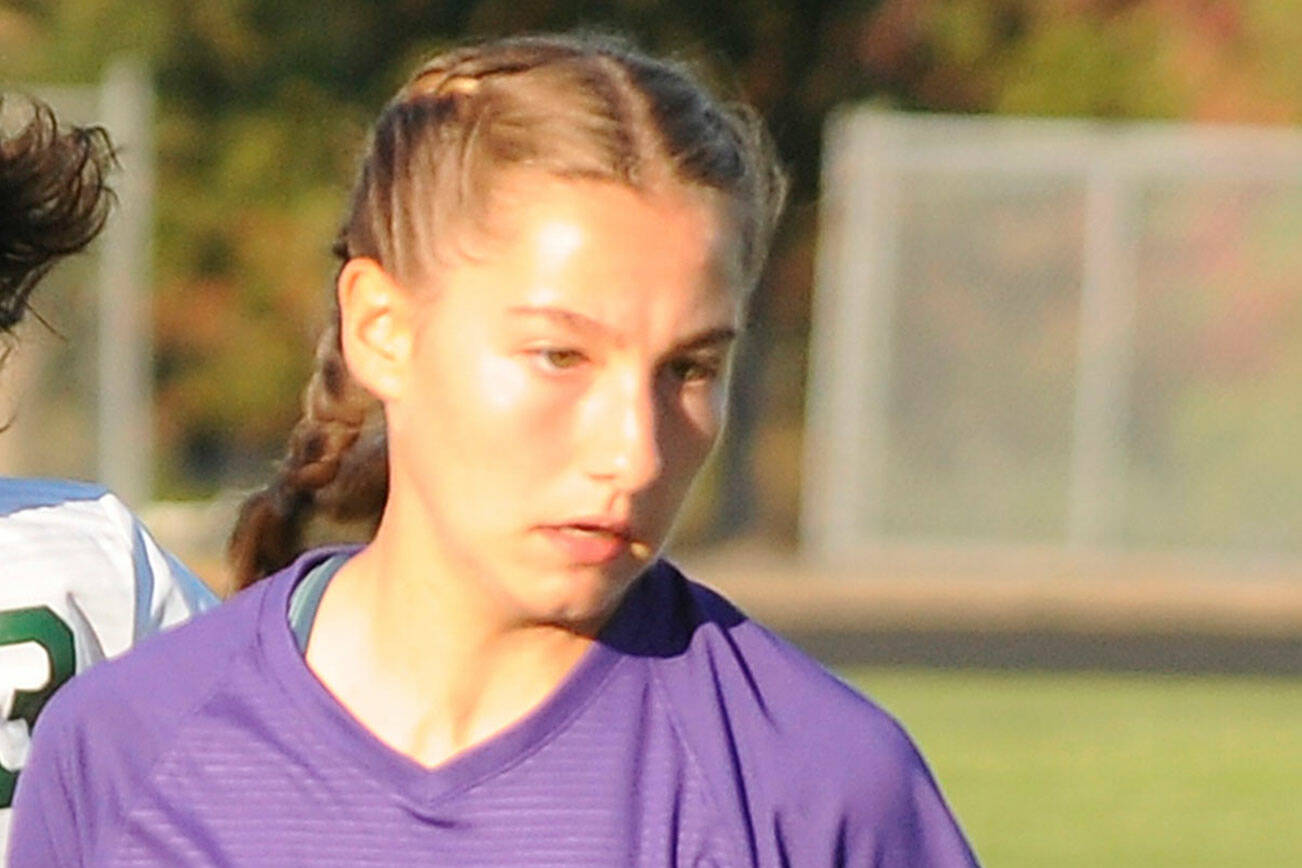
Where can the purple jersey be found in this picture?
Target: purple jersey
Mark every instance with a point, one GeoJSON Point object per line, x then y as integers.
{"type": "Point", "coordinates": [686, 736]}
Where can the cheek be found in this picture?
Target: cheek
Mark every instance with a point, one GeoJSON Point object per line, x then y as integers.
{"type": "Point", "coordinates": [501, 414]}
{"type": "Point", "coordinates": [500, 386]}
{"type": "Point", "coordinates": [467, 417]}
{"type": "Point", "coordinates": [698, 421]}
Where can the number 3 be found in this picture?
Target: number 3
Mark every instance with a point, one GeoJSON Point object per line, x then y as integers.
{"type": "Point", "coordinates": [38, 624]}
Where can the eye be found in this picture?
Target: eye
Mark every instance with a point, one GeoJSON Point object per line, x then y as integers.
{"type": "Point", "coordinates": [693, 369]}
{"type": "Point", "coordinates": [558, 358]}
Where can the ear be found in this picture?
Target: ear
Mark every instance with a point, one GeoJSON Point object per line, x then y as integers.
{"type": "Point", "coordinates": [376, 325]}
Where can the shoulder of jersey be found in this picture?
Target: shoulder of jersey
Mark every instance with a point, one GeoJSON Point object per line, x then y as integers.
{"type": "Point", "coordinates": [804, 745]}
{"type": "Point", "coordinates": [17, 494]}
{"type": "Point", "coordinates": [164, 676]}
{"type": "Point", "coordinates": [784, 699]}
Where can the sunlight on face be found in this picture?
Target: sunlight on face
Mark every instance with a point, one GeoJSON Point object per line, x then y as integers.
{"type": "Point", "coordinates": [557, 242]}
{"type": "Point", "coordinates": [564, 389]}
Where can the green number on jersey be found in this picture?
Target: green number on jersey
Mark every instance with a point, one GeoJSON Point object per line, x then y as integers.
{"type": "Point", "coordinates": [38, 624]}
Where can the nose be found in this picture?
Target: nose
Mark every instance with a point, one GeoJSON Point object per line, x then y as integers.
{"type": "Point", "coordinates": [624, 433]}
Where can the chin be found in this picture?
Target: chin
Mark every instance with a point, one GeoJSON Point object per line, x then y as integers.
{"type": "Point", "coordinates": [581, 599]}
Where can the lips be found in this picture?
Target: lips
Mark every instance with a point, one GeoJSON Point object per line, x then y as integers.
{"type": "Point", "coordinates": [591, 542]}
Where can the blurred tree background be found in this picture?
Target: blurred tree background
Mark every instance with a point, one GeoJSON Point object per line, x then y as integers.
{"type": "Point", "coordinates": [263, 105]}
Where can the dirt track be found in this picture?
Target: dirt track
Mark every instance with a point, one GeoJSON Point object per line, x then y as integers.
{"type": "Point", "coordinates": [1022, 607]}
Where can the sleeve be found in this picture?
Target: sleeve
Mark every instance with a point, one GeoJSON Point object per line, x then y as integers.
{"type": "Point", "coordinates": [44, 828]}
{"type": "Point", "coordinates": [166, 593]}
{"type": "Point", "coordinates": [917, 830]}
{"type": "Point", "coordinates": [803, 768]}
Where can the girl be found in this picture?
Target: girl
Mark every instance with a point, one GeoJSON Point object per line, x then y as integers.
{"type": "Point", "coordinates": [544, 269]}
{"type": "Point", "coordinates": [82, 579]}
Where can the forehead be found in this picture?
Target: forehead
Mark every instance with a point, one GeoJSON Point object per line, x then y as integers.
{"type": "Point", "coordinates": [545, 235]}
{"type": "Point", "coordinates": [525, 203]}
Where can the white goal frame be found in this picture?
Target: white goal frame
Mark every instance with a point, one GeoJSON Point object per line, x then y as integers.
{"type": "Point", "coordinates": [868, 154]}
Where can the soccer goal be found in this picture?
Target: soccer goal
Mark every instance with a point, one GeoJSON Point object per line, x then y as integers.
{"type": "Point", "coordinates": [1057, 333]}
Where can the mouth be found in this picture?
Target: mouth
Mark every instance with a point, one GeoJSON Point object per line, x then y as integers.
{"type": "Point", "coordinates": [596, 541]}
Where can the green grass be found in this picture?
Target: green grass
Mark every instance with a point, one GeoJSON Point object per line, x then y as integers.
{"type": "Point", "coordinates": [1110, 770]}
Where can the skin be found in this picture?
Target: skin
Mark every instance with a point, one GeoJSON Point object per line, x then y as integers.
{"type": "Point", "coordinates": [549, 400]}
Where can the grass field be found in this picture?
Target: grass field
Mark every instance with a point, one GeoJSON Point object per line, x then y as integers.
{"type": "Point", "coordinates": [1110, 769]}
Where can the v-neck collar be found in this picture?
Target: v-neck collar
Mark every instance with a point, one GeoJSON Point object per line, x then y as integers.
{"type": "Point", "coordinates": [419, 787]}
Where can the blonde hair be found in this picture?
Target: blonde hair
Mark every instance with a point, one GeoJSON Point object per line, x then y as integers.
{"type": "Point", "coordinates": [574, 106]}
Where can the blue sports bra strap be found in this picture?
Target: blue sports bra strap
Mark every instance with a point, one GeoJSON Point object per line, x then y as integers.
{"type": "Point", "coordinates": [306, 598]}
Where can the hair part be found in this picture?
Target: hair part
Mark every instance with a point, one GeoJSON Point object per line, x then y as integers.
{"type": "Point", "coordinates": [574, 106]}
{"type": "Point", "coordinates": [54, 200]}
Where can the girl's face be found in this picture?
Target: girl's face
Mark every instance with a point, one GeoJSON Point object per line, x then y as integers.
{"type": "Point", "coordinates": [563, 386]}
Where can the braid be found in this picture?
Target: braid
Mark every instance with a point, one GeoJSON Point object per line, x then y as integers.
{"type": "Point", "coordinates": [335, 465]}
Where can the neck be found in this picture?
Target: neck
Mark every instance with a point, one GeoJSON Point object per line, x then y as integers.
{"type": "Point", "coordinates": [430, 667]}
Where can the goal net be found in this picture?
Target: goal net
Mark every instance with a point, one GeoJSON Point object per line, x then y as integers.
{"type": "Point", "coordinates": [1058, 333]}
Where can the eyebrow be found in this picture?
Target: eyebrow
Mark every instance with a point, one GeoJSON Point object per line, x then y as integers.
{"type": "Point", "coordinates": [581, 323]}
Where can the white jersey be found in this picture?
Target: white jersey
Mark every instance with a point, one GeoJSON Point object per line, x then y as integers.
{"type": "Point", "coordinates": [80, 580]}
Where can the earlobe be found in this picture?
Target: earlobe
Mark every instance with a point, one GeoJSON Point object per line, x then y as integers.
{"type": "Point", "coordinates": [375, 326]}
